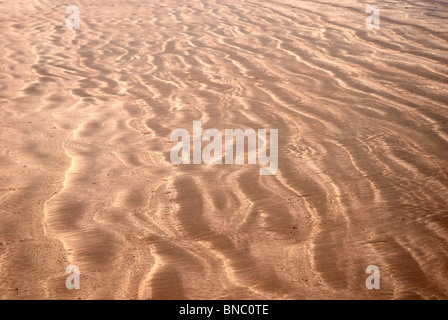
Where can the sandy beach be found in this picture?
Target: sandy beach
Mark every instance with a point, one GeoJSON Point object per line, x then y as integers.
{"type": "Point", "coordinates": [86, 177]}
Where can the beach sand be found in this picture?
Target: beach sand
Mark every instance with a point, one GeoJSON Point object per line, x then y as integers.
{"type": "Point", "coordinates": [85, 171]}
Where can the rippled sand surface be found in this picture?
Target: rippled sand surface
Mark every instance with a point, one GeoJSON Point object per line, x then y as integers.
{"type": "Point", "coordinates": [86, 177]}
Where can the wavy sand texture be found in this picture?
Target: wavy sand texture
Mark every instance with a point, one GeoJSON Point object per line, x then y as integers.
{"type": "Point", "coordinates": [86, 178]}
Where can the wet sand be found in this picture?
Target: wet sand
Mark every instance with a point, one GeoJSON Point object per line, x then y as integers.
{"type": "Point", "coordinates": [85, 171]}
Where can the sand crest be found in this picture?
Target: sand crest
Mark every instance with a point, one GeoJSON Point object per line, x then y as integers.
{"type": "Point", "coordinates": [85, 171]}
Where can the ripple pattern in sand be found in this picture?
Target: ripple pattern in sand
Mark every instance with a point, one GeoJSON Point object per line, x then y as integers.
{"type": "Point", "coordinates": [86, 115]}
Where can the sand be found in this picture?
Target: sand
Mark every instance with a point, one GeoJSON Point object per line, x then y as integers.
{"type": "Point", "coordinates": [85, 171]}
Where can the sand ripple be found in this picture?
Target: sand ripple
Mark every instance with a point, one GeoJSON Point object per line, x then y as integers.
{"type": "Point", "coordinates": [86, 178]}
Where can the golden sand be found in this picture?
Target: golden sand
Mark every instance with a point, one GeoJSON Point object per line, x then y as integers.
{"type": "Point", "coordinates": [86, 177]}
